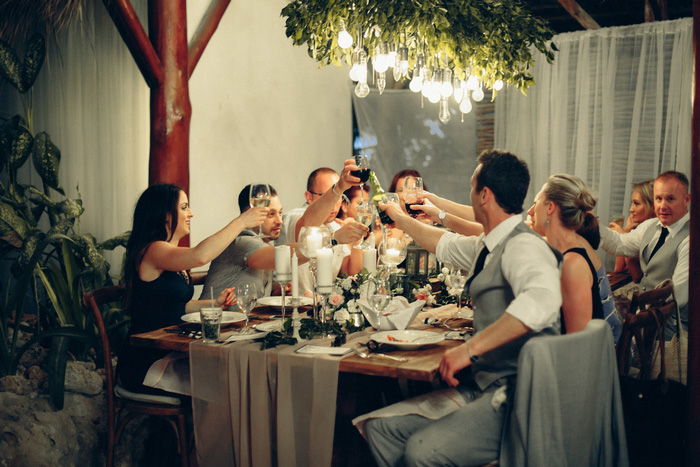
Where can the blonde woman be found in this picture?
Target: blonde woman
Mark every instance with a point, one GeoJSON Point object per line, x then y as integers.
{"type": "Point", "coordinates": [561, 208]}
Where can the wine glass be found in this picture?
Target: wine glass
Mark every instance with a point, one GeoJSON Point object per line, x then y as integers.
{"type": "Point", "coordinates": [413, 194]}
{"type": "Point", "coordinates": [247, 295]}
{"type": "Point", "coordinates": [392, 251]}
{"type": "Point", "coordinates": [379, 298]}
{"type": "Point", "coordinates": [458, 279]}
{"type": "Point", "coordinates": [362, 171]}
{"type": "Point", "coordinates": [260, 196]}
{"type": "Point", "coordinates": [366, 214]}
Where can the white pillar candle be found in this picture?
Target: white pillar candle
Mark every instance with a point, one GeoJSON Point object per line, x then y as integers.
{"type": "Point", "coordinates": [393, 256]}
{"type": "Point", "coordinates": [295, 275]}
{"type": "Point", "coordinates": [314, 241]}
{"type": "Point", "coordinates": [369, 260]}
{"type": "Point", "coordinates": [282, 260]}
{"type": "Point", "coordinates": [324, 267]}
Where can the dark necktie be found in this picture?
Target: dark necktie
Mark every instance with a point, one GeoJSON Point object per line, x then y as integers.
{"type": "Point", "coordinates": [662, 239]}
{"type": "Point", "coordinates": [479, 265]}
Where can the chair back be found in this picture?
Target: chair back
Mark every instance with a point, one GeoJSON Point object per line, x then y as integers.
{"type": "Point", "coordinates": [93, 301]}
{"type": "Point", "coordinates": [566, 408]}
{"type": "Point", "coordinates": [645, 322]}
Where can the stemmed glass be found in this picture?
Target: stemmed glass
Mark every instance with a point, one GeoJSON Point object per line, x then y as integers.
{"type": "Point", "coordinates": [379, 298]}
{"type": "Point", "coordinates": [247, 295]}
{"type": "Point", "coordinates": [392, 251]}
{"type": "Point", "coordinates": [260, 196]}
{"type": "Point", "coordinates": [362, 171]}
{"type": "Point", "coordinates": [366, 215]}
{"type": "Point", "coordinates": [458, 279]}
{"type": "Point", "coordinates": [413, 194]}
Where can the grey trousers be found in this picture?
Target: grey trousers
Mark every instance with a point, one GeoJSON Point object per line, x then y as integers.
{"type": "Point", "coordinates": [468, 436]}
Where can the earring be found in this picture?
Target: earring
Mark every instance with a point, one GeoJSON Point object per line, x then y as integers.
{"type": "Point", "coordinates": [546, 223]}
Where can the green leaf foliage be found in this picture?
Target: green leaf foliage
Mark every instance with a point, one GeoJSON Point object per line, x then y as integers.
{"type": "Point", "coordinates": [33, 60]}
{"type": "Point", "coordinates": [492, 39]}
{"type": "Point", "coordinates": [15, 143]}
{"type": "Point", "coordinates": [10, 66]}
{"type": "Point", "coordinates": [46, 158]}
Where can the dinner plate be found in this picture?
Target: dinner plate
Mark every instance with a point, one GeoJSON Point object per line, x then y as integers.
{"type": "Point", "coordinates": [269, 326]}
{"type": "Point", "coordinates": [235, 337]}
{"type": "Point", "coordinates": [227, 317]}
{"type": "Point", "coordinates": [277, 301]}
{"type": "Point", "coordinates": [406, 339]}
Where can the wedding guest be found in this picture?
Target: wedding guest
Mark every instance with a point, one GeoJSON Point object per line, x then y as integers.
{"type": "Point", "coordinates": [250, 258]}
{"type": "Point", "coordinates": [324, 189]}
{"type": "Point", "coordinates": [661, 243]}
{"type": "Point", "coordinates": [158, 285]}
{"type": "Point", "coordinates": [396, 185]}
{"type": "Point", "coordinates": [641, 209]}
{"type": "Point", "coordinates": [515, 289]}
{"type": "Point", "coordinates": [561, 208]}
{"type": "Point", "coordinates": [353, 196]}
{"type": "Point", "coordinates": [457, 217]}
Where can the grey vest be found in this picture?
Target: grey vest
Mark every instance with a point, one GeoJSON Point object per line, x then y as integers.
{"type": "Point", "coordinates": [661, 267]}
{"type": "Point", "coordinates": [491, 294]}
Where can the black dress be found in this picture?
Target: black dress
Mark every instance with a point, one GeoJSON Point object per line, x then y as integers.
{"type": "Point", "coordinates": [595, 290]}
{"type": "Point", "coordinates": [154, 305]}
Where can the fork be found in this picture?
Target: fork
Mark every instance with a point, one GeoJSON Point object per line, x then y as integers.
{"type": "Point", "coordinates": [390, 357]}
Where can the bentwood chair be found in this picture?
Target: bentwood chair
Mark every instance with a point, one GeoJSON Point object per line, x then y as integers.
{"type": "Point", "coordinates": [123, 405]}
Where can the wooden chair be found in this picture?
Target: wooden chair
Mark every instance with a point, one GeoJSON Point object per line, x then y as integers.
{"type": "Point", "coordinates": [648, 312]}
{"type": "Point", "coordinates": [122, 404]}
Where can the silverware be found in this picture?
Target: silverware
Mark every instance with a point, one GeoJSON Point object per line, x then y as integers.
{"type": "Point", "coordinates": [390, 357]}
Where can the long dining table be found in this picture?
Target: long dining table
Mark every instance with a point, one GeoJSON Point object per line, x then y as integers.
{"type": "Point", "coordinates": [255, 407]}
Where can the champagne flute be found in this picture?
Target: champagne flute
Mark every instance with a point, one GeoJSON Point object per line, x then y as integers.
{"type": "Point", "coordinates": [366, 215]}
{"type": "Point", "coordinates": [260, 196]}
{"type": "Point", "coordinates": [413, 194]}
{"type": "Point", "coordinates": [458, 279]}
{"type": "Point", "coordinates": [247, 295]}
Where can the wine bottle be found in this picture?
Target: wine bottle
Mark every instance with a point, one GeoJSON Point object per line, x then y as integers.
{"type": "Point", "coordinates": [377, 194]}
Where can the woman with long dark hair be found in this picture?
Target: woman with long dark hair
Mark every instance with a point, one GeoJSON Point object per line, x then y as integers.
{"type": "Point", "coordinates": [159, 287]}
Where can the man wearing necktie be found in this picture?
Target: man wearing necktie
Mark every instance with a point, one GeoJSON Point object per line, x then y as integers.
{"type": "Point", "coordinates": [662, 243]}
{"type": "Point", "coordinates": [515, 289]}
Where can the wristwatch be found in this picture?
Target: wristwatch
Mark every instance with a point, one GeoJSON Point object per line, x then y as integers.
{"type": "Point", "coordinates": [334, 242]}
{"type": "Point", "coordinates": [473, 358]}
{"type": "Point", "coordinates": [441, 217]}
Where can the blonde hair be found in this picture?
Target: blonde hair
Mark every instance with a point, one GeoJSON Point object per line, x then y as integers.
{"type": "Point", "coordinates": [646, 191]}
{"type": "Point", "coordinates": [574, 199]}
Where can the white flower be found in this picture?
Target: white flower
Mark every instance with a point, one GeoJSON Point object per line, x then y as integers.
{"type": "Point", "coordinates": [445, 271]}
{"type": "Point", "coordinates": [341, 316]}
{"type": "Point", "coordinates": [430, 300]}
{"type": "Point", "coordinates": [441, 277]}
{"type": "Point", "coordinates": [448, 282]}
{"type": "Point", "coordinates": [353, 291]}
{"type": "Point", "coordinates": [346, 283]}
{"type": "Point", "coordinates": [453, 291]}
{"type": "Point", "coordinates": [336, 300]}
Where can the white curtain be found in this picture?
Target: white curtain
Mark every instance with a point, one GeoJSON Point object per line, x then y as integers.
{"type": "Point", "coordinates": [614, 108]}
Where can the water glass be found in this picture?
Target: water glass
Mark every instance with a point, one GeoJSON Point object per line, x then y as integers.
{"type": "Point", "coordinates": [211, 323]}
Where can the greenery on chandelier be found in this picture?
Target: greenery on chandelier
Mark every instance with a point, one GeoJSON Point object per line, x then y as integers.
{"type": "Point", "coordinates": [492, 39]}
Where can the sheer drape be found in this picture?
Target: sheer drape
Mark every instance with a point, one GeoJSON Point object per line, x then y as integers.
{"type": "Point", "coordinates": [613, 109]}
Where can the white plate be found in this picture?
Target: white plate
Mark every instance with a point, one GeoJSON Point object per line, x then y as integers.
{"type": "Point", "coordinates": [235, 337]}
{"type": "Point", "coordinates": [270, 326]}
{"type": "Point", "coordinates": [407, 340]}
{"type": "Point", "coordinates": [277, 301]}
{"type": "Point", "coordinates": [227, 317]}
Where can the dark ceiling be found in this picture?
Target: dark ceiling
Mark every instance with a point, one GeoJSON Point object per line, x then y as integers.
{"type": "Point", "coordinates": [607, 12]}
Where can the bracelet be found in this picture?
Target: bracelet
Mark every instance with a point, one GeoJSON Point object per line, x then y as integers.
{"type": "Point", "coordinates": [333, 190]}
{"type": "Point", "coordinates": [472, 358]}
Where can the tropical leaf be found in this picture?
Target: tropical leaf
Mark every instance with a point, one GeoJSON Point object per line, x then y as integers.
{"type": "Point", "coordinates": [70, 208]}
{"type": "Point", "coordinates": [10, 67]}
{"type": "Point", "coordinates": [15, 143]}
{"type": "Point", "coordinates": [112, 243]}
{"type": "Point", "coordinates": [11, 223]}
{"type": "Point", "coordinates": [46, 158]}
{"type": "Point", "coordinates": [33, 60]}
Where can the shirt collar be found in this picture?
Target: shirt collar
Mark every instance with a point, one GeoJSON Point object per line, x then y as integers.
{"type": "Point", "coordinates": [501, 231]}
{"type": "Point", "coordinates": [676, 227]}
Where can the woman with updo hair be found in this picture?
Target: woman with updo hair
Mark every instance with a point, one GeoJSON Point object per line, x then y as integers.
{"type": "Point", "coordinates": [562, 212]}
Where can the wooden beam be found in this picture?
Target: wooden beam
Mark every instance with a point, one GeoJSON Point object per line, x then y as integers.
{"type": "Point", "coordinates": [579, 14]}
{"type": "Point", "coordinates": [136, 40]}
{"type": "Point", "coordinates": [200, 39]}
{"type": "Point", "coordinates": [694, 273]}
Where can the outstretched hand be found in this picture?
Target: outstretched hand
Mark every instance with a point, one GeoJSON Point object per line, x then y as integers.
{"type": "Point", "coordinates": [351, 232]}
{"type": "Point", "coordinates": [347, 180]}
{"type": "Point", "coordinates": [253, 217]}
{"type": "Point", "coordinates": [393, 210]}
{"type": "Point", "coordinates": [226, 298]}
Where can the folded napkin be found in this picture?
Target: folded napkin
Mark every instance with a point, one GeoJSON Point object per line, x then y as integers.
{"type": "Point", "coordinates": [397, 315]}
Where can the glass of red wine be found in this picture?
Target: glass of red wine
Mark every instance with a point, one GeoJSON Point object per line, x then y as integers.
{"type": "Point", "coordinates": [413, 194]}
{"type": "Point", "coordinates": [362, 171]}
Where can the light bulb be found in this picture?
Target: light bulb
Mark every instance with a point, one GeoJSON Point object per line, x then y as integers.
{"type": "Point", "coordinates": [458, 91]}
{"type": "Point", "coordinates": [434, 89]}
{"type": "Point", "coordinates": [381, 82]}
{"type": "Point", "coordinates": [498, 85]}
{"type": "Point", "coordinates": [403, 60]}
{"type": "Point", "coordinates": [478, 94]}
{"type": "Point", "coordinates": [427, 83]}
{"type": "Point", "coordinates": [466, 105]}
{"type": "Point", "coordinates": [344, 37]}
{"type": "Point", "coordinates": [392, 55]}
{"type": "Point", "coordinates": [446, 88]}
{"type": "Point", "coordinates": [362, 66]}
{"type": "Point", "coordinates": [472, 82]}
{"type": "Point", "coordinates": [381, 58]}
{"type": "Point", "coordinates": [355, 72]}
{"type": "Point", "coordinates": [444, 113]}
{"type": "Point", "coordinates": [362, 89]}
{"type": "Point", "coordinates": [417, 81]}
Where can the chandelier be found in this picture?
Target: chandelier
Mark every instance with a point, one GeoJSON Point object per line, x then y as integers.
{"type": "Point", "coordinates": [447, 50]}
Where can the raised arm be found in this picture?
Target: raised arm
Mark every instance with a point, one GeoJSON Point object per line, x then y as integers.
{"type": "Point", "coordinates": [425, 235]}
{"type": "Point", "coordinates": [452, 222]}
{"type": "Point", "coordinates": [458, 210]}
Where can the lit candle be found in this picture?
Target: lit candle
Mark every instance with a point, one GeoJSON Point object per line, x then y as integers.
{"type": "Point", "coordinates": [282, 260]}
{"type": "Point", "coordinates": [324, 267]}
{"type": "Point", "coordinates": [295, 275]}
{"type": "Point", "coordinates": [369, 260]}
{"type": "Point", "coordinates": [314, 241]}
{"type": "Point", "coordinates": [392, 256]}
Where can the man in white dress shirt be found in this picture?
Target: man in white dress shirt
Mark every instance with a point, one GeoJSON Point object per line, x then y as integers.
{"type": "Point", "coordinates": [661, 243]}
{"type": "Point", "coordinates": [515, 288]}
